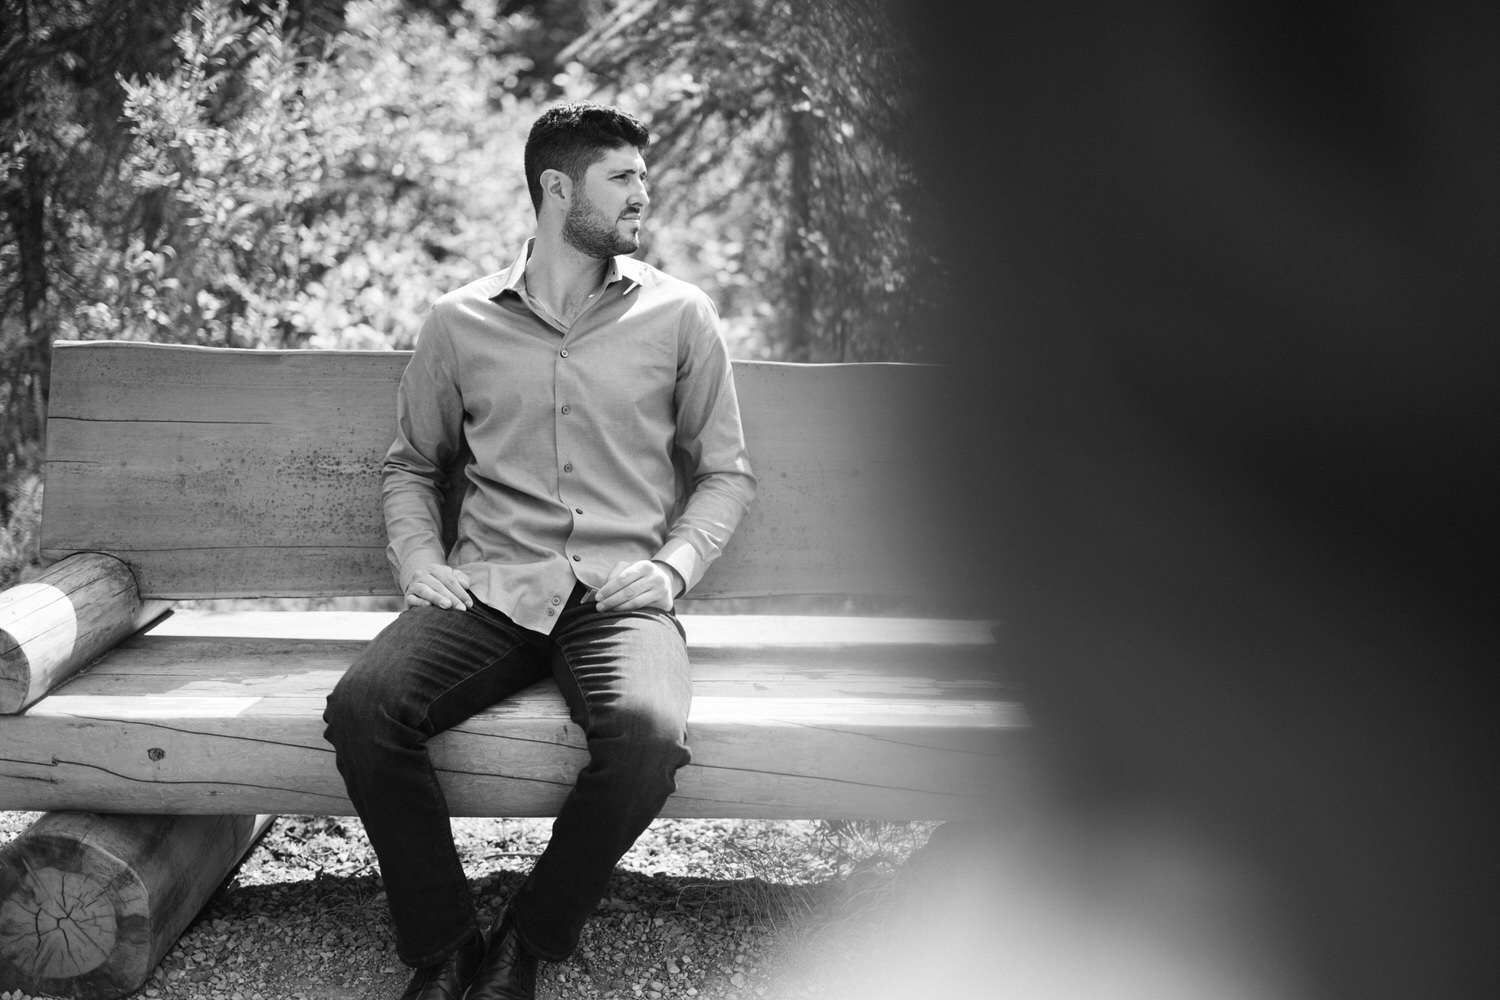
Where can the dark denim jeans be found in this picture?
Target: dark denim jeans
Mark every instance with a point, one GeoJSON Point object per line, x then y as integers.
{"type": "Point", "coordinates": [626, 681]}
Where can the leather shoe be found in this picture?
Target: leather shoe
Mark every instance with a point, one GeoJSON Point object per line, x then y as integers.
{"type": "Point", "coordinates": [448, 979]}
{"type": "Point", "coordinates": [508, 971]}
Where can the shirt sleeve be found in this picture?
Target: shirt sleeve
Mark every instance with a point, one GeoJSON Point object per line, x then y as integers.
{"type": "Point", "coordinates": [711, 444]}
{"type": "Point", "coordinates": [429, 435]}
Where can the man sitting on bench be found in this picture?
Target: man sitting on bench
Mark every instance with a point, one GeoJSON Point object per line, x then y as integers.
{"type": "Point", "coordinates": [574, 378]}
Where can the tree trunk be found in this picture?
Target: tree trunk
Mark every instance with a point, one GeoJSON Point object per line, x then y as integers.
{"type": "Point", "coordinates": [25, 407]}
{"type": "Point", "coordinates": [799, 257]}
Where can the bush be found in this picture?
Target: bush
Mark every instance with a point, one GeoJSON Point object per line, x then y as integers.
{"type": "Point", "coordinates": [20, 516]}
{"type": "Point", "coordinates": [313, 202]}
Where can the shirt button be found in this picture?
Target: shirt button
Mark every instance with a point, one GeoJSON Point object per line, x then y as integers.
{"type": "Point", "coordinates": [578, 510]}
{"type": "Point", "coordinates": [567, 409]}
{"type": "Point", "coordinates": [578, 558]}
{"type": "Point", "coordinates": [557, 600]}
{"type": "Point", "coordinates": [563, 353]}
{"type": "Point", "coordinates": [550, 612]}
{"type": "Point", "coordinates": [568, 467]}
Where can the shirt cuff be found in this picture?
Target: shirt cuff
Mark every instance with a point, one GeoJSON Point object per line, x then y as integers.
{"type": "Point", "coordinates": [679, 585]}
{"type": "Point", "coordinates": [682, 558]}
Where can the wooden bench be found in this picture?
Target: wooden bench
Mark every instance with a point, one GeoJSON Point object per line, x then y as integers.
{"type": "Point", "coordinates": [160, 752]}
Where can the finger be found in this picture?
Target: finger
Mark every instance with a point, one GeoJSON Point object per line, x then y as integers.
{"type": "Point", "coordinates": [644, 592]}
{"type": "Point", "coordinates": [431, 594]}
{"type": "Point", "coordinates": [464, 586]}
{"type": "Point", "coordinates": [433, 590]}
{"type": "Point", "coordinates": [613, 583]}
{"type": "Point", "coordinates": [460, 596]}
{"type": "Point", "coordinates": [620, 598]}
{"type": "Point", "coordinates": [611, 601]}
{"type": "Point", "coordinates": [452, 587]}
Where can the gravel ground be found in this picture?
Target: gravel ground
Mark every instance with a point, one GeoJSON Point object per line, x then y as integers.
{"type": "Point", "coordinates": [1044, 905]}
{"type": "Point", "coordinates": [718, 910]}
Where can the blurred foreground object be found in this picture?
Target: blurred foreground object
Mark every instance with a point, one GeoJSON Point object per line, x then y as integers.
{"type": "Point", "coordinates": [1227, 299]}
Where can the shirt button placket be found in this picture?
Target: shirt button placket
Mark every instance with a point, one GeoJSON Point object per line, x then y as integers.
{"type": "Point", "coordinates": [564, 410]}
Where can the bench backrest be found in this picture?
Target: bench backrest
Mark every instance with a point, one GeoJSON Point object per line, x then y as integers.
{"type": "Point", "coordinates": [230, 473]}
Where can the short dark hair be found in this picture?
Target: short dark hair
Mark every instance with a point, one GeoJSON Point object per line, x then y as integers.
{"type": "Point", "coordinates": [572, 137]}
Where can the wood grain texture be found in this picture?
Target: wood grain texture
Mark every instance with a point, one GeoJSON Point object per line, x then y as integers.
{"type": "Point", "coordinates": [53, 625]}
{"type": "Point", "coordinates": [914, 728]}
{"type": "Point", "coordinates": [219, 473]}
{"type": "Point", "coordinates": [90, 904]}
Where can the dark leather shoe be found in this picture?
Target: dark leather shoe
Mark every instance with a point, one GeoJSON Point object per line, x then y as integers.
{"type": "Point", "coordinates": [448, 979]}
{"type": "Point", "coordinates": [508, 971]}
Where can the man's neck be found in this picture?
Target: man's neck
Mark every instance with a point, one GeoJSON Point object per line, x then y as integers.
{"type": "Point", "coordinates": [561, 278]}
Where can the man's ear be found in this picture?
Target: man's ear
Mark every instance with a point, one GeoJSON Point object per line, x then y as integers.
{"type": "Point", "coordinates": [556, 185]}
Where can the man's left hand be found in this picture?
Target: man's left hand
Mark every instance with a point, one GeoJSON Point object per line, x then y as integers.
{"type": "Point", "coordinates": [643, 584]}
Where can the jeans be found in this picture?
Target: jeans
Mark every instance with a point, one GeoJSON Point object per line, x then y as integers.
{"type": "Point", "coordinates": [626, 681]}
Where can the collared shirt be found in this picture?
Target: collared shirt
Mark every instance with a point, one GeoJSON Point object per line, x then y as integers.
{"type": "Point", "coordinates": [614, 439]}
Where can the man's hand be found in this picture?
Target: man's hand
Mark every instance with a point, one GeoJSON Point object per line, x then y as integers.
{"type": "Point", "coordinates": [643, 584]}
{"type": "Point", "coordinates": [439, 585]}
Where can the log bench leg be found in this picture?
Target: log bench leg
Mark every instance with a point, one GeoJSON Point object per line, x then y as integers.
{"type": "Point", "coordinates": [90, 903]}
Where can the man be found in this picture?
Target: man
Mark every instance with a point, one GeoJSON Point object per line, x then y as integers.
{"type": "Point", "coordinates": [585, 386]}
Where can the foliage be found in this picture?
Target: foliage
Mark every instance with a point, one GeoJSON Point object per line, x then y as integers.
{"type": "Point", "coordinates": [20, 516]}
{"type": "Point", "coordinates": [787, 124]}
{"type": "Point", "coordinates": [300, 201]}
{"type": "Point", "coordinates": [317, 202]}
{"type": "Point", "coordinates": [270, 192]}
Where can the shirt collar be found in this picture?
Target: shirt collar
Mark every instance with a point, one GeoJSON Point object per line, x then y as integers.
{"type": "Point", "coordinates": [513, 278]}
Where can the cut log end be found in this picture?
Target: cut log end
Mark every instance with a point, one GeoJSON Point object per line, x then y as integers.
{"type": "Point", "coordinates": [89, 904]}
{"type": "Point", "coordinates": [72, 919]}
{"type": "Point", "coordinates": [62, 925]}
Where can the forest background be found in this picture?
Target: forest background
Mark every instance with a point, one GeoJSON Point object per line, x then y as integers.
{"type": "Point", "coordinates": [313, 173]}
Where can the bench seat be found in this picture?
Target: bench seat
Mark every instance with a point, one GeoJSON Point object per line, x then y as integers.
{"type": "Point", "coordinates": [793, 717]}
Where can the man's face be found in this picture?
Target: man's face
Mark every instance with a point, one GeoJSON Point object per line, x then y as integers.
{"type": "Point", "coordinates": [604, 218]}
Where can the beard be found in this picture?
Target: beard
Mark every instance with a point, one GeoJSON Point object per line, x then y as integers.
{"type": "Point", "coordinates": [588, 231]}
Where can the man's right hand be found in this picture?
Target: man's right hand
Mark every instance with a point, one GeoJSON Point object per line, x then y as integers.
{"type": "Point", "coordinates": [440, 586]}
